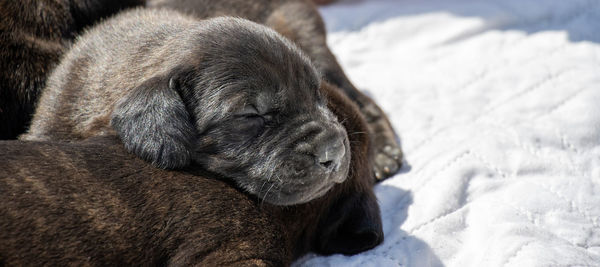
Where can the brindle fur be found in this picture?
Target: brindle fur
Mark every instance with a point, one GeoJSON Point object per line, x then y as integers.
{"type": "Point", "coordinates": [91, 203]}
{"type": "Point", "coordinates": [33, 36]}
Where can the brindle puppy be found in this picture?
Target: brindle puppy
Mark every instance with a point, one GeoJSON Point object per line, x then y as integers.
{"type": "Point", "coordinates": [227, 94]}
{"type": "Point", "coordinates": [92, 203]}
{"type": "Point", "coordinates": [33, 36]}
{"type": "Point", "coordinates": [299, 21]}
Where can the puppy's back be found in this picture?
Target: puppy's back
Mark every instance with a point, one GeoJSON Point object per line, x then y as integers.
{"type": "Point", "coordinates": [95, 204]}
{"type": "Point", "coordinates": [33, 36]}
{"type": "Point", "coordinates": [100, 68]}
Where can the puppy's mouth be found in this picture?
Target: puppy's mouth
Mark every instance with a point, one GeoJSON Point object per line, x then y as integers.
{"type": "Point", "coordinates": [301, 187]}
{"type": "Point", "coordinates": [306, 196]}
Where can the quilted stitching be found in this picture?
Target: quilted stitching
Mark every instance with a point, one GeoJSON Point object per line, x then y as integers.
{"type": "Point", "coordinates": [497, 103]}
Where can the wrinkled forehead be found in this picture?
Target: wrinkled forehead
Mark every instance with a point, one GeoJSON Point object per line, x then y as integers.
{"type": "Point", "coordinates": [267, 89]}
{"type": "Point", "coordinates": [247, 62]}
{"type": "Point", "coordinates": [283, 74]}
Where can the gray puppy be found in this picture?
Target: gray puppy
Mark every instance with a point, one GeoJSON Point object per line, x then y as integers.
{"type": "Point", "coordinates": [299, 21]}
{"type": "Point", "coordinates": [230, 95]}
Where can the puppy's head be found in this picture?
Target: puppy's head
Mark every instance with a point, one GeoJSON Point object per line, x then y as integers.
{"type": "Point", "coordinates": [245, 103]}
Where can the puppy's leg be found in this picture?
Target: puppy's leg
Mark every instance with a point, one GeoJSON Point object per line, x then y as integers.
{"type": "Point", "coordinates": [300, 22]}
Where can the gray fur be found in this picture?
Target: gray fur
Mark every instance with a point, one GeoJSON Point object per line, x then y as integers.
{"type": "Point", "coordinates": [300, 22]}
{"type": "Point", "coordinates": [229, 95]}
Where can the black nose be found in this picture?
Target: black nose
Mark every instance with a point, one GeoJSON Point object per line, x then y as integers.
{"type": "Point", "coordinates": [329, 154]}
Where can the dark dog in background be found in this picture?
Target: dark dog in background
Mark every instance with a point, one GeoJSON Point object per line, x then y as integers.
{"type": "Point", "coordinates": [33, 36]}
{"type": "Point", "coordinates": [92, 203]}
{"type": "Point", "coordinates": [299, 21]}
{"type": "Point", "coordinates": [230, 95]}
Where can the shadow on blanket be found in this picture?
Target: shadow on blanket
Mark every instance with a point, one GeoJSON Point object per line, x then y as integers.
{"type": "Point", "coordinates": [400, 248]}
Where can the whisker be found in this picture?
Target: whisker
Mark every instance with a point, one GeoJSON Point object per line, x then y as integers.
{"type": "Point", "coordinates": [265, 196]}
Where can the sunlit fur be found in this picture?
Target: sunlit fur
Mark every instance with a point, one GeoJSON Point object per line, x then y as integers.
{"type": "Point", "coordinates": [33, 36]}
{"type": "Point", "coordinates": [177, 91]}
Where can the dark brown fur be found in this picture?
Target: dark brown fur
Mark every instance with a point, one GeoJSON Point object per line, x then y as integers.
{"type": "Point", "coordinates": [299, 21]}
{"type": "Point", "coordinates": [92, 203]}
{"type": "Point", "coordinates": [33, 36]}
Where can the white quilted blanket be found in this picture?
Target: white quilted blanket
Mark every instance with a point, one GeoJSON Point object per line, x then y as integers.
{"type": "Point", "coordinates": [497, 104]}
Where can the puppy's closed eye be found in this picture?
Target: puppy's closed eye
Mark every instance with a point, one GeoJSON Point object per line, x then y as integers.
{"type": "Point", "coordinates": [251, 117]}
{"type": "Point", "coordinates": [248, 111]}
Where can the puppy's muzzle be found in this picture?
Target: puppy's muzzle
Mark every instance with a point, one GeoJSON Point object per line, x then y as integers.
{"type": "Point", "coordinates": [326, 142]}
{"type": "Point", "coordinates": [320, 159]}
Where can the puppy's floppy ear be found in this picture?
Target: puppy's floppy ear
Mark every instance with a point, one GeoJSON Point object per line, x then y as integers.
{"type": "Point", "coordinates": [153, 123]}
{"type": "Point", "coordinates": [353, 225]}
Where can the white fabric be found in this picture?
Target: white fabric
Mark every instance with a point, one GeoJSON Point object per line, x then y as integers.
{"type": "Point", "coordinates": [497, 104]}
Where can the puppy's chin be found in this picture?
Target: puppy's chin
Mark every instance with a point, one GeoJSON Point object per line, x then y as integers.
{"type": "Point", "coordinates": [294, 194]}
{"type": "Point", "coordinates": [298, 196]}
